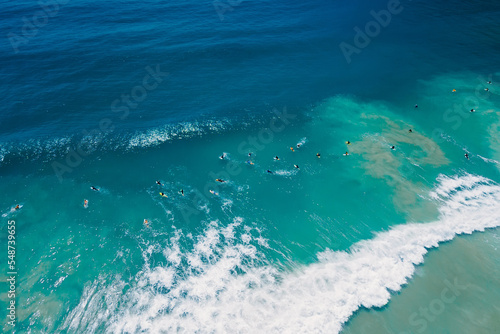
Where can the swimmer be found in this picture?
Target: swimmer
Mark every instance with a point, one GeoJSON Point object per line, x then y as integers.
{"type": "Point", "coordinates": [85, 203]}
{"type": "Point", "coordinates": [159, 183]}
{"type": "Point", "coordinates": [466, 156]}
{"type": "Point", "coordinates": [291, 149]}
{"type": "Point", "coordinates": [416, 105]}
{"type": "Point", "coordinates": [276, 158]}
{"type": "Point", "coordinates": [94, 188]}
{"type": "Point", "coordinates": [454, 90]}
{"type": "Point", "coordinates": [472, 110]}
{"type": "Point", "coordinates": [182, 192]}
{"type": "Point", "coordinates": [270, 172]}
{"type": "Point", "coordinates": [163, 195]}
{"type": "Point", "coordinates": [296, 166]}
{"type": "Point", "coordinates": [393, 147]}
{"type": "Point", "coordinates": [348, 142]}
{"type": "Point", "coordinates": [487, 89]}
{"type": "Point", "coordinates": [410, 130]}
{"type": "Point", "coordinates": [318, 155]}
{"type": "Point", "coordinates": [220, 180]}
{"type": "Point", "coordinates": [249, 162]}
{"type": "Point", "coordinates": [214, 193]}
{"type": "Point", "coordinates": [146, 222]}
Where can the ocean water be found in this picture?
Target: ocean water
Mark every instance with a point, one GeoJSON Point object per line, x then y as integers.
{"type": "Point", "coordinates": [362, 239]}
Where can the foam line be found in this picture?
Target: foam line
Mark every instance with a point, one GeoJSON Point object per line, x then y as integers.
{"type": "Point", "coordinates": [214, 298]}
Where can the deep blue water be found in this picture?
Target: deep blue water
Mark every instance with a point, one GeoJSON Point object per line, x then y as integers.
{"type": "Point", "coordinates": [149, 90]}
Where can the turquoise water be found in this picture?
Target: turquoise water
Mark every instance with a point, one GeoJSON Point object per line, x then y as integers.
{"type": "Point", "coordinates": [362, 242]}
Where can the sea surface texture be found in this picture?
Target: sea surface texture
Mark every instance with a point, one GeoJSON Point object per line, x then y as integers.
{"type": "Point", "coordinates": [356, 146]}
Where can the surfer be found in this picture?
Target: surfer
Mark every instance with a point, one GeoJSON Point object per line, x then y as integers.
{"type": "Point", "coordinates": [222, 156]}
{"type": "Point", "coordinates": [296, 166]}
{"type": "Point", "coordinates": [276, 158]}
{"type": "Point", "coordinates": [85, 203]}
{"type": "Point", "coordinates": [146, 222]}
{"type": "Point", "coordinates": [466, 156]}
{"type": "Point", "coordinates": [489, 82]}
{"type": "Point", "coordinates": [220, 180]}
{"type": "Point", "coordinates": [163, 194]}
{"type": "Point", "coordinates": [94, 188]}
{"type": "Point", "coordinates": [249, 154]}
{"type": "Point", "coordinates": [291, 149]}
{"type": "Point", "coordinates": [454, 90]}
{"type": "Point", "coordinates": [472, 110]}
{"type": "Point", "coordinates": [416, 105]}
{"type": "Point", "coordinates": [487, 89]}
{"type": "Point", "coordinates": [159, 183]}
{"type": "Point", "coordinates": [346, 153]}
{"type": "Point", "coordinates": [318, 155]}
{"type": "Point", "coordinates": [410, 131]}
{"type": "Point", "coordinates": [270, 172]}
{"type": "Point", "coordinates": [348, 142]}
{"type": "Point", "coordinates": [249, 162]}
{"type": "Point", "coordinates": [182, 192]}
{"type": "Point", "coordinates": [298, 145]}
{"type": "Point", "coordinates": [393, 147]}
{"type": "Point", "coordinates": [17, 207]}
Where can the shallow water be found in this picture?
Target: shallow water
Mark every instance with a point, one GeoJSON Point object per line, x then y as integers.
{"type": "Point", "coordinates": [345, 243]}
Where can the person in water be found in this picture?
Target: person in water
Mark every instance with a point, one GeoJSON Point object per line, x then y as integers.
{"type": "Point", "coordinates": [163, 194]}
{"type": "Point", "coordinates": [318, 155]}
{"type": "Point", "coordinates": [296, 166]}
{"type": "Point", "coordinates": [270, 172]}
{"type": "Point", "coordinates": [416, 105]}
{"type": "Point", "coordinates": [159, 183]}
{"type": "Point", "coordinates": [466, 156]}
{"type": "Point", "coordinates": [220, 180]}
{"type": "Point", "coordinates": [94, 188]}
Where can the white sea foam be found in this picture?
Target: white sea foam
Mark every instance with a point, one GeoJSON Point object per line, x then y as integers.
{"type": "Point", "coordinates": [159, 135]}
{"type": "Point", "coordinates": [49, 149]}
{"type": "Point", "coordinates": [318, 298]}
